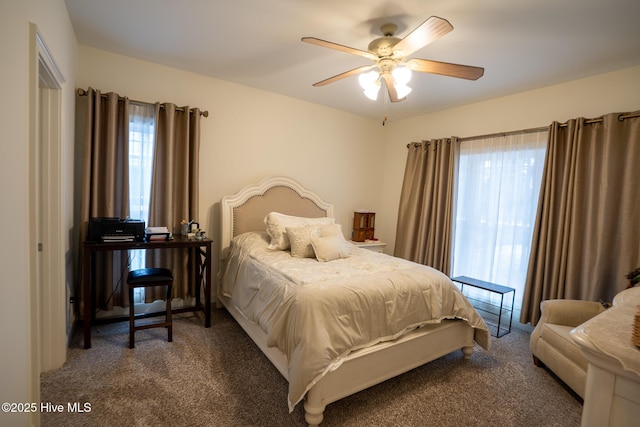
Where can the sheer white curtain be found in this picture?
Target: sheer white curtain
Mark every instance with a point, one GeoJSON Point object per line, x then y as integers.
{"type": "Point", "coordinates": [142, 123]}
{"type": "Point", "coordinates": [495, 207]}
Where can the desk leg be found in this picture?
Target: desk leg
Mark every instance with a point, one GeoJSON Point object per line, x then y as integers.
{"type": "Point", "coordinates": [207, 287]}
{"type": "Point", "coordinates": [195, 255]}
{"type": "Point", "coordinates": [86, 297]}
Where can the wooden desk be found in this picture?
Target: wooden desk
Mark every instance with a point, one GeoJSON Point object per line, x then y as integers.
{"type": "Point", "coordinates": [195, 248]}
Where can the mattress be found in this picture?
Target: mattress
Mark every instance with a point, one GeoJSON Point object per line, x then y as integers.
{"type": "Point", "coordinates": [317, 313]}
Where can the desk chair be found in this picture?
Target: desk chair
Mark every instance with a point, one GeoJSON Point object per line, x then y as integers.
{"type": "Point", "coordinates": [143, 278]}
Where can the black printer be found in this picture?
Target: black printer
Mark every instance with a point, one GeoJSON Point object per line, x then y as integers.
{"type": "Point", "coordinates": [115, 229]}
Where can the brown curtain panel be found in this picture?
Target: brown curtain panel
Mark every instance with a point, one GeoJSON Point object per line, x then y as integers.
{"type": "Point", "coordinates": [174, 189]}
{"type": "Point", "coordinates": [425, 211]}
{"type": "Point", "coordinates": [587, 233]}
{"type": "Point", "coordinates": [105, 191]}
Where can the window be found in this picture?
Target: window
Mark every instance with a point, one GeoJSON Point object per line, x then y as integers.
{"type": "Point", "coordinates": [141, 140]}
{"type": "Point", "coordinates": [141, 143]}
{"type": "Point", "coordinates": [496, 201]}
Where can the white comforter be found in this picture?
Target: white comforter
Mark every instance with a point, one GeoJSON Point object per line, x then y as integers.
{"type": "Point", "coordinates": [317, 313]}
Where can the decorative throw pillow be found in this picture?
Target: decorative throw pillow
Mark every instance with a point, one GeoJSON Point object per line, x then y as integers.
{"type": "Point", "coordinates": [300, 238]}
{"type": "Point", "coordinates": [329, 248]}
{"type": "Point", "coordinates": [277, 224]}
{"type": "Point", "coordinates": [331, 230]}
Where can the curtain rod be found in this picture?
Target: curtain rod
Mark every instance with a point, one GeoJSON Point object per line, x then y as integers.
{"type": "Point", "coordinates": [621, 117]}
{"type": "Point", "coordinates": [513, 132]}
{"type": "Point", "coordinates": [490, 135]}
{"type": "Point", "coordinates": [538, 129]}
{"type": "Point", "coordinates": [83, 92]}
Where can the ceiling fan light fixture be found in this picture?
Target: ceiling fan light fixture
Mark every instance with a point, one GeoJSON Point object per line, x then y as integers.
{"type": "Point", "coordinates": [389, 53]}
{"type": "Point", "coordinates": [369, 79]}
{"type": "Point", "coordinates": [370, 82]}
{"type": "Point", "coordinates": [372, 91]}
{"type": "Point", "coordinates": [401, 75]}
{"type": "Point", "coordinates": [402, 90]}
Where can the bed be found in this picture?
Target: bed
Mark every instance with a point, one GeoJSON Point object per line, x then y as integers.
{"type": "Point", "coordinates": [297, 307]}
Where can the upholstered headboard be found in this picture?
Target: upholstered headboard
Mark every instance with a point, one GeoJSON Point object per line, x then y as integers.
{"type": "Point", "coordinates": [245, 210]}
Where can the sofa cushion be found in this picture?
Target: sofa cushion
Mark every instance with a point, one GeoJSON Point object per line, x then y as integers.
{"type": "Point", "coordinates": [559, 337]}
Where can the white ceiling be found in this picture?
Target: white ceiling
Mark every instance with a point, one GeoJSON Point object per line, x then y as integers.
{"type": "Point", "coordinates": [522, 44]}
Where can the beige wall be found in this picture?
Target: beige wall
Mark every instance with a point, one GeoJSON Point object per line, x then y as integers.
{"type": "Point", "coordinates": [19, 368]}
{"type": "Point", "coordinates": [251, 134]}
{"type": "Point", "coordinates": [350, 160]}
{"type": "Point", "coordinates": [590, 97]}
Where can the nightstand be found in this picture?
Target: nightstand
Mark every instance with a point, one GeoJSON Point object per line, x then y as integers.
{"type": "Point", "coordinates": [372, 246]}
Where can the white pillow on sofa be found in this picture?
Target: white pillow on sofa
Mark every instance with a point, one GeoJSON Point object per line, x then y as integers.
{"type": "Point", "coordinates": [277, 224]}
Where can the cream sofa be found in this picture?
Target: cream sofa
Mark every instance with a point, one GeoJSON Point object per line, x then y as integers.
{"type": "Point", "coordinates": [551, 343]}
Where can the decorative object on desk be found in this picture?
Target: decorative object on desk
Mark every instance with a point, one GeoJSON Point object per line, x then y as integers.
{"type": "Point", "coordinates": [187, 228]}
{"type": "Point", "coordinates": [633, 277]}
{"type": "Point", "coordinates": [200, 234]}
{"type": "Point", "coordinates": [363, 225]}
{"type": "Point", "coordinates": [635, 335]}
{"type": "Point", "coordinates": [157, 233]}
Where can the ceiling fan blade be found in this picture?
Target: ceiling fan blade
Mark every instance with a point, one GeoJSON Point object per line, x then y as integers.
{"type": "Point", "coordinates": [341, 48]}
{"type": "Point", "coordinates": [389, 82]}
{"type": "Point", "coordinates": [446, 69]}
{"type": "Point", "coordinates": [344, 75]}
{"type": "Point", "coordinates": [429, 31]}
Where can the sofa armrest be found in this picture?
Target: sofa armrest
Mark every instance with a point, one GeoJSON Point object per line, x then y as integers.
{"type": "Point", "coordinates": [565, 312]}
{"type": "Point", "coordinates": [568, 312]}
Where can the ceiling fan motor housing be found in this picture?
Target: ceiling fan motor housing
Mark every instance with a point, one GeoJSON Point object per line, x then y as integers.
{"type": "Point", "coordinates": [383, 46]}
{"type": "Point", "coordinates": [387, 65]}
{"type": "Point", "coordinates": [389, 52]}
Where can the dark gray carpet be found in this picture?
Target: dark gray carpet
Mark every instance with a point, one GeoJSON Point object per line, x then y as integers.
{"type": "Point", "coordinates": [218, 377]}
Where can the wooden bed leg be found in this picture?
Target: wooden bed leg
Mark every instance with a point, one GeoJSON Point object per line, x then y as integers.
{"type": "Point", "coordinates": [313, 413]}
{"type": "Point", "coordinates": [467, 352]}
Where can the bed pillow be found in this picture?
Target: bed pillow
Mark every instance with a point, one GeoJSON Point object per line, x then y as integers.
{"type": "Point", "coordinates": [300, 239]}
{"type": "Point", "coordinates": [331, 230]}
{"type": "Point", "coordinates": [330, 248]}
{"type": "Point", "coordinates": [277, 224]}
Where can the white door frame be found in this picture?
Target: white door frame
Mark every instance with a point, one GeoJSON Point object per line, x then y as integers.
{"type": "Point", "coordinates": [47, 239]}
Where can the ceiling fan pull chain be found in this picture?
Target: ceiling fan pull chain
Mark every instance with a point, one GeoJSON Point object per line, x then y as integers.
{"type": "Point", "coordinates": [386, 105]}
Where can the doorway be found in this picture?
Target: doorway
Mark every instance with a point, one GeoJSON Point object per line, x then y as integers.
{"type": "Point", "coordinates": [48, 290]}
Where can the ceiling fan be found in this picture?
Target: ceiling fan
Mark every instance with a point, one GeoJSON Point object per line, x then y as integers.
{"type": "Point", "coordinates": [389, 54]}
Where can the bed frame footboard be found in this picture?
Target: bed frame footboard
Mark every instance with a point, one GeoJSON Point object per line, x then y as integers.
{"type": "Point", "coordinates": [371, 366]}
